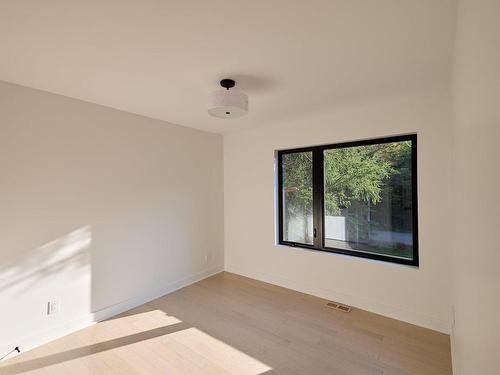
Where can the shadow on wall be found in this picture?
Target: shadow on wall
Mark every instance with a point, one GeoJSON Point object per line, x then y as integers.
{"type": "Point", "coordinates": [58, 270]}
{"type": "Point", "coordinates": [67, 253]}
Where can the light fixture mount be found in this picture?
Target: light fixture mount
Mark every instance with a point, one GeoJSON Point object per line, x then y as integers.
{"type": "Point", "coordinates": [227, 83]}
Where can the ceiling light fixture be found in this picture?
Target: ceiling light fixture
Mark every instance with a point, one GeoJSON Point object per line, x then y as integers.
{"type": "Point", "coordinates": [227, 103]}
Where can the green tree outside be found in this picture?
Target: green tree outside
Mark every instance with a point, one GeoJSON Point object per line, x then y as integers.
{"type": "Point", "coordinates": [355, 177]}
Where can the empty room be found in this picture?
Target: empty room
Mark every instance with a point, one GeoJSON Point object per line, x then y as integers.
{"type": "Point", "coordinates": [250, 187]}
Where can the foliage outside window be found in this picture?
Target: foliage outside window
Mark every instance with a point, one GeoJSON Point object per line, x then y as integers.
{"type": "Point", "coordinates": [356, 198]}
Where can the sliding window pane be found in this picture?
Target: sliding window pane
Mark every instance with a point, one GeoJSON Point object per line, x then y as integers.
{"type": "Point", "coordinates": [368, 199]}
{"type": "Point", "coordinates": [297, 187]}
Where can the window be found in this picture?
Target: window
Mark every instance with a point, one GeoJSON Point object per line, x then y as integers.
{"type": "Point", "coordinates": [356, 198]}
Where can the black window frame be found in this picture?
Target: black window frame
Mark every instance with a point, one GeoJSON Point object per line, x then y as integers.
{"type": "Point", "coordinates": [318, 198]}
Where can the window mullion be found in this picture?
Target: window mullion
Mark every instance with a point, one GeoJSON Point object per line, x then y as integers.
{"type": "Point", "coordinates": [318, 187]}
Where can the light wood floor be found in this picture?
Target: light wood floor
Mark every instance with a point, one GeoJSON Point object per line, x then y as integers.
{"type": "Point", "coordinates": [228, 324]}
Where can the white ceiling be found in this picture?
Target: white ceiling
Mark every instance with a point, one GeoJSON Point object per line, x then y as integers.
{"type": "Point", "coordinates": [161, 58]}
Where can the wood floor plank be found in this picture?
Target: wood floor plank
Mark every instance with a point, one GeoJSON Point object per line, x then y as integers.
{"type": "Point", "coordinates": [229, 324]}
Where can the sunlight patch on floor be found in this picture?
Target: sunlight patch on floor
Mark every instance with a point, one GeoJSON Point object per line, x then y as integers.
{"type": "Point", "coordinates": [204, 346]}
{"type": "Point", "coordinates": [141, 341]}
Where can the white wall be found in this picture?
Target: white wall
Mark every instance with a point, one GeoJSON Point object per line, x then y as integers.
{"type": "Point", "coordinates": [476, 336]}
{"type": "Point", "coordinates": [100, 209]}
{"type": "Point", "coordinates": [420, 296]}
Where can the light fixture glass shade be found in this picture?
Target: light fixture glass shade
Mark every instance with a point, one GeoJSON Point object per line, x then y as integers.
{"type": "Point", "coordinates": [227, 103]}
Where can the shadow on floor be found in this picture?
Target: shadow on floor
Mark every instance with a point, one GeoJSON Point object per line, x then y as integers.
{"type": "Point", "coordinates": [68, 355]}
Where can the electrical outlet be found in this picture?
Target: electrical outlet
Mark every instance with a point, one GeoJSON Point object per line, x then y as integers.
{"type": "Point", "coordinates": [452, 318]}
{"type": "Point", "coordinates": [53, 307]}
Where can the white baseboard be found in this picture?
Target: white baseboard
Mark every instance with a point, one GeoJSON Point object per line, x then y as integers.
{"type": "Point", "coordinates": [128, 304]}
{"type": "Point", "coordinates": [42, 337]}
{"type": "Point", "coordinates": [413, 317]}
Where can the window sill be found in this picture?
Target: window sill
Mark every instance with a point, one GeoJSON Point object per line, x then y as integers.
{"type": "Point", "coordinates": [366, 256]}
